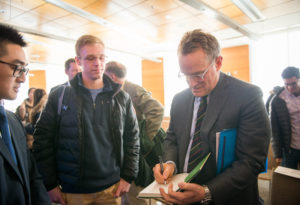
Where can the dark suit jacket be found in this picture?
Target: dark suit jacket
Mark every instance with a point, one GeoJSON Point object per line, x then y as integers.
{"type": "Point", "coordinates": [232, 104]}
{"type": "Point", "coordinates": [20, 184]}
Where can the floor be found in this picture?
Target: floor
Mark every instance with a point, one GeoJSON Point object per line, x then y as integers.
{"type": "Point", "coordinates": [264, 190]}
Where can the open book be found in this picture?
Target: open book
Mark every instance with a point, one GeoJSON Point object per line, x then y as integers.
{"type": "Point", "coordinates": [152, 190]}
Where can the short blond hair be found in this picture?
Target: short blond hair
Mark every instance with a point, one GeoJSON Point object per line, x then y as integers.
{"type": "Point", "coordinates": [193, 40]}
{"type": "Point", "coordinates": [87, 39]}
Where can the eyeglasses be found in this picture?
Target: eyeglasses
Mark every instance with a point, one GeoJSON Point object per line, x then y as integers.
{"type": "Point", "coordinates": [102, 58]}
{"type": "Point", "coordinates": [196, 77]}
{"type": "Point", "coordinates": [18, 69]}
{"type": "Point", "coordinates": [293, 84]}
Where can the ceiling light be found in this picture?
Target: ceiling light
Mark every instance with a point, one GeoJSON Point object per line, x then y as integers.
{"type": "Point", "coordinates": [248, 8]}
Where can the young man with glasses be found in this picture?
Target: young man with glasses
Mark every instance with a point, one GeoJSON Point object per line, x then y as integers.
{"type": "Point", "coordinates": [213, 102]}
{"type": "Point", "coordinates": [285, 120]}
{"type": "Point", "coordinates": [20, 181]}
{"type": "Point", "coordinates": [89, 153]}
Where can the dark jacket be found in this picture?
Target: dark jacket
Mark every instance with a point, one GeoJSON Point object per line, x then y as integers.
{"type": "Point", "coordinates": [97, 142]}
{"type": "Point", "coordinates": [281, 125]}
{"type": "Point", "coordinates": [22, 185]}
{"type": "Point", "coordinates": [146, 107]}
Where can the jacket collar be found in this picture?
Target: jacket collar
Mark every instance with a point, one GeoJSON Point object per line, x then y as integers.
{"type": "Point", "coordinates": [109, 85]}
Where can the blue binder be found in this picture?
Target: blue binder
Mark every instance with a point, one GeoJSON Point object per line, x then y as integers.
{"type": "Point", "coordinates": [226, 149]}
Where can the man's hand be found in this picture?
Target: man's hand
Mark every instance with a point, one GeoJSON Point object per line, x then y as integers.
{"type": "Point", "coordinates": [56, 196]}
{"type": "Point", "coordinates": [278, 161]}
{"type": "Point", "coordinates": [166, 176]}
{"type": "Point", "coordinates": [190, 193]}
{"type": "Point", "coordinates": [123, 188]}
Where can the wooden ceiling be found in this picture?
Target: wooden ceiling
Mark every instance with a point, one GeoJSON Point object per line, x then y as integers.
{"type": "Point", "coordinates": [139, 25]}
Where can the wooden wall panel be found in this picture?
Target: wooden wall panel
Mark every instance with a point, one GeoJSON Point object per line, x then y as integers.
{"type": "Point", "coordinates": [236, 62]}
{"type": "Point", "coordinates": [37, 79]}
{"type": "Point", "coordinates": [153, 79]}
{"type": "Point", "coordinates": [165, 123]}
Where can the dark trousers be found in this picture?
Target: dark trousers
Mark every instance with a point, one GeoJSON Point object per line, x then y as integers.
{"type": "Point", "coordinates": [291, 159]}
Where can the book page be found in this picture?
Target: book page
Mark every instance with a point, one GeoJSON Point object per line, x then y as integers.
{"type": "Point", "coordinates": [152, 191]}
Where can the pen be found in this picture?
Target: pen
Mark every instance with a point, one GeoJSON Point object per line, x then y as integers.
{"type": "Point", "coordinates": [161, 167]}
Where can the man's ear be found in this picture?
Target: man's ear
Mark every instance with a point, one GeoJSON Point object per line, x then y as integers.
{"type": "Point", "coordinates": [78, 61]}
{"type": "Point", "coordinates": [219, 61]}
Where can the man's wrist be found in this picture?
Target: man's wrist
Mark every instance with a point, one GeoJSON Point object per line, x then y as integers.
{"type": "Point", "coordinates": [207, 195]}
{"type": "Point", "coordinates": [171, 162]}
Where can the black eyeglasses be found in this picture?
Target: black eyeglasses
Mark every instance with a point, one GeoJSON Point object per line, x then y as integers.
{"type": "Point", "coordinates": [18, 69]}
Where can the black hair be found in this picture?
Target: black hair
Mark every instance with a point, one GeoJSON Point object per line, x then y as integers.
{"type": "Point", "coordinates": [37, 96]}
{"type": "Point", "coordinates": [290, 72]}
{"type": "Point", "coordinates": [32, 88]}
{"type": "Point", "coordinates": [9, 35]}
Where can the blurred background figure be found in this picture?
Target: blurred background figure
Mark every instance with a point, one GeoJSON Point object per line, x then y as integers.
{"type": "Point", "coordinates": [39, 100]}
{"type": "Point", "coordinates": [24, 109]}
{"type": "Point", "coordinates": [71, 69]}
{"type": "Point", "coordinates": [285, 120]}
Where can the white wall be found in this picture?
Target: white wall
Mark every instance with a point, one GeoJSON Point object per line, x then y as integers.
{"type": "Point", "coordinates": [270, 55]}
{"type": "Point", "coordinates": [172, 83]}
{"type": "Point", "coordinates": [132, 63]}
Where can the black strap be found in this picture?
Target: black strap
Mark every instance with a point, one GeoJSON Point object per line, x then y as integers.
{"type": "Point", "coordinates": [60, 100]}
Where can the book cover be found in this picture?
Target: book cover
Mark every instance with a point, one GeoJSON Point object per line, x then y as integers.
{"type": "Point", "coordinates": [152, 191]}
{"type": "Point", "coordinates": [225, 148]}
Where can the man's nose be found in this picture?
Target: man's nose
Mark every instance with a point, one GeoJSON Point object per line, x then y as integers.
{"type": "Point", "coordinates": [192, 82]}
{"type": "Point", "coordinates": [22, 78]}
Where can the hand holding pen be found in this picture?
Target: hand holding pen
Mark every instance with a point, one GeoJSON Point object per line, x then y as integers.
{"type": "Point", "coordinates": [163, 172]}
{"type": "Point", "coordinates": [162, 168]}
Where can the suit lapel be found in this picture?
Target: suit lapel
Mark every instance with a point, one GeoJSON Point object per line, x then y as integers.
{"type": "Point", "coordinates": [217, 99]}
{"type": "Point", "coordinates": [20, 152]}
{"type": "Point", "coordinates": [189, 119]}
{"type": "Point", "coordinates": [7, 156]}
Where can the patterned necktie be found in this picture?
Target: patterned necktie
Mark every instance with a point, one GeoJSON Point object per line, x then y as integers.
{"type": "Point", "coordinates": [196, 152]}
{"type": "Point", "coordinates": [6, 134]}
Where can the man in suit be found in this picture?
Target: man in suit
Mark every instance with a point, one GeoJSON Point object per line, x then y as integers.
{"type": "Point", "coordinates": [20, 182]}
{"type": "Point", "coordinates": [230, 103]}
